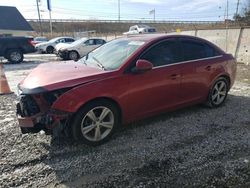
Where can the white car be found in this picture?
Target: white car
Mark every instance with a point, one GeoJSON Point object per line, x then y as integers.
{"type": "Point", "coordinates": [38, 40]}
{"type": "Point", "coordinates": [79, 48]}
{"type": "Point", "coordinates": [140, 29]}
{"type": "Point", "coordinates": [49, 47]}
{"type": "Point", "coordinates": [61, 45]}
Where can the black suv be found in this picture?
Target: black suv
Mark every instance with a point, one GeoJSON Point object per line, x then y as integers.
{"type": "Point", "coordinates": [13, 48]}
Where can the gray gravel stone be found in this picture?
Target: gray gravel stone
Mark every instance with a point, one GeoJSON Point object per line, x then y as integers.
{"type": "Point", "coordinates": [191, 147]}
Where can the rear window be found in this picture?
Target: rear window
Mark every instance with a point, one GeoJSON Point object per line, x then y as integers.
{"type": "Point", "coordinates": [192, 50]}
{"type": "Point", "coordinates": [151, 30]}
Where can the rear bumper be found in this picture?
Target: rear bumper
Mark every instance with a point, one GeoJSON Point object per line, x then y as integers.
{"type": "Point", "coordinates": [39, 50]}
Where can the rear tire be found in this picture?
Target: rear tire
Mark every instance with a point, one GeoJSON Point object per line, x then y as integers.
{"type": "Point", "coordinates": [218, 93]}
{"type": "Point", "coordinates": [50, 49]}
{"type": "Point", "coordinates": [95, 123]}
{"type": "Point", "coordinates": [15, 56]}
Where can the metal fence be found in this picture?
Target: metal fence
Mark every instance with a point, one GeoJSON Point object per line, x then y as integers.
{"type": "Point", "coordinates": [127, 21]}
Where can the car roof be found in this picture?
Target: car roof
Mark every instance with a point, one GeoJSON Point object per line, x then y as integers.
{"type": "Point", "coordinates": [158, 36]}
{"type": "Point", "coordinates": [62, 37]}
{"type": "Point", "coordinates": [147, 38]}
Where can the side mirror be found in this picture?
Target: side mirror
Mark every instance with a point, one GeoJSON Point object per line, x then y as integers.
{"type": "Point", "coordinates": [142, 66]}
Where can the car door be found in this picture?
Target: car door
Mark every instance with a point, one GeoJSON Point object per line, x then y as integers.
{"type": "Point", "coordinates": [159, 88]}
{"type": "Point", "coordinates": [197, 68]}
{"type": "Point", "coordinates": [86, 47]}
{"type": "Point", "coordinates": [99, 42]}
{"type": "Point", "coordinates": [69, 40]}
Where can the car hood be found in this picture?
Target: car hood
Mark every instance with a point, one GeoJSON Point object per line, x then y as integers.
{"type": "Point", "coordinates": [53, 76]}
{"type": "Point", "coordinates": [70, 47]}
{"type": "Point", "coordinates": [61, 45]}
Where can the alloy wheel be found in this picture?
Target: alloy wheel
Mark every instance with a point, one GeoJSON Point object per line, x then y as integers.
{"type": "Point", "coordinates": [97, 123]}
{"type": "Point", "coordinates": [15, 56]}
{"type": "Point", "coordinates": [219, 92]}
{"type": "Point", "coordinates": [73, 56]}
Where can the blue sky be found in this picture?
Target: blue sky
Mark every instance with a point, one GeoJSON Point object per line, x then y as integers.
{"type": "Point", "coordinates": [130, 9]}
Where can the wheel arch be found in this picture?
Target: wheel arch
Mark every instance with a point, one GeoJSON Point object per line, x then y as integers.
{"type": "Point", "coordinates": [8, 49]}
{"type": "Point", "coordinates": [227, 77]}
{"type": "Point", "coordinates": [114, 102]}
{"type": "Point", "coordinates": [50, 46]}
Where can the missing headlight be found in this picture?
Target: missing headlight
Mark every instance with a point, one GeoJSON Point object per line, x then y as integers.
{"type": "Point", "coordinates": [52, 96]}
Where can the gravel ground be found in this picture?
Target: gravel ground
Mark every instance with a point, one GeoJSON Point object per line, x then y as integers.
{"type": "Point", "coordinates": [192, 147]}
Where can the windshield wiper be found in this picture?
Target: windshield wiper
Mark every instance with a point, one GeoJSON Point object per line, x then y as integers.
{"type": "Point", "coordinates": [99, 63]}
{"type": "Point", "coordinates": [82, 61]}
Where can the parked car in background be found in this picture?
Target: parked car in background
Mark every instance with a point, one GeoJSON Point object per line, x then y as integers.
{"type": "Point", "coordinates": [49, 47]}
{"type": "Point", "coordinates": [13, 48]}
{"type": "Point", "coordinates": [140, 29]}
{"type": "Point", "coordinates": [61, 45]}
{"type": "Point", "coordinates": [38, 40]}
{"type": "Point", "coordinates": [79, 48]}
{"type": "Point", "coordinates": [124, 80]}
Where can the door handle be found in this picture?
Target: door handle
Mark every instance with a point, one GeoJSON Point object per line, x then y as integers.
{"type": "Point", "coordinates": [175, 76]}
{"type": "Point", "coordinates": [208, 68]}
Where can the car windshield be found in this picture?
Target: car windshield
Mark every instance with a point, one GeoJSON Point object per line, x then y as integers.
{"type": "Point", "coordinates": [112, 55]}
{"type": "Point", "coordinates": [79, 41]}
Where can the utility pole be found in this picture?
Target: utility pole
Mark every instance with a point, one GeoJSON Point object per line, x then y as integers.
{"type": "Point", "coordinates": [237, 10]}
{"type": "Point", "coordinates": [227, 9]}
{"type": "Point", "coordinates": [154, 15]}
{"type": "Point", "coordinates": [227, 26]}
{"type": "Point", "coordinates": [119, 11]}
{"type": "Point", "coordinates": [50, 22]}
{"type": "Point", "coordinates": [39, 16]}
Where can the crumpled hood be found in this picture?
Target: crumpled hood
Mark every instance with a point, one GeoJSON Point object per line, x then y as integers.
{"type": "Point", "coordinates": [52, 76]}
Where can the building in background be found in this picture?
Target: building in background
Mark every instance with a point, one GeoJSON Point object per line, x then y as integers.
{"type": "Point", "coordinates": [12, 23]}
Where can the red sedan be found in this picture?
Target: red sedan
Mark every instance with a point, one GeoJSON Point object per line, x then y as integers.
{"type": "Point", "coordinates": [122, 81]}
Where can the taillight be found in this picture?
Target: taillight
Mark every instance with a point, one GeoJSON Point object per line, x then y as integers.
{"type": "Point", "coordinates": [31, 42]}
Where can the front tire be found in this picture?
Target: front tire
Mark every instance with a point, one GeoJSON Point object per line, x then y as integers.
{"type": "Point", "coordinates": [15, 56]}
{"type": "Point", "coordinates": [73, 55]}
{"type": "Point", "coordinates": [218, 93]}
{"type": "Point", "coordinates": [95, 123]}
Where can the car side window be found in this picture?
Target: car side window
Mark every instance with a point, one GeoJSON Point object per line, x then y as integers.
{"type": "Point", "coordinates": [90, 42]}
{"type": "Point", "coordinates": [60, 41]}
{"type": "Point", "coordinates": [192, 50]}
{"type": "Point", "coordinates": [162, 54]}
{"type": "Point", "coordinates": [99, 41]}
{"type": "Point", "coordinates": [69, 40]}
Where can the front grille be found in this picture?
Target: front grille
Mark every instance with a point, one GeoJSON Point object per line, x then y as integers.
{"type": "Point", "coordinates": [27, 106]}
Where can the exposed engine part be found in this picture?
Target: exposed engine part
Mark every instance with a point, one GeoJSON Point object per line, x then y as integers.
{"type": "Point", "coordinates": [27, 106]}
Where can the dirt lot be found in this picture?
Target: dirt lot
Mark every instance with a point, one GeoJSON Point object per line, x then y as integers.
{"type": "Point", "coordinates": [192, 147]}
